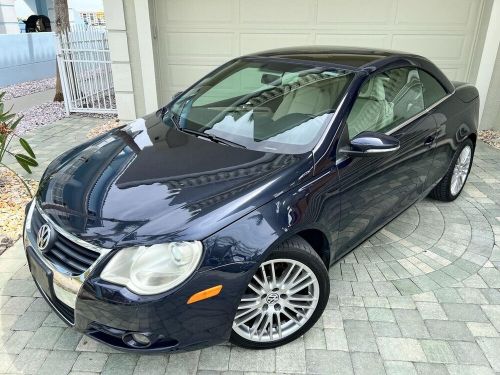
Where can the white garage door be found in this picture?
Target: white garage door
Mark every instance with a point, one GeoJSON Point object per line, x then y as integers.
{"type": "Point", "coordinates": [195, 36]}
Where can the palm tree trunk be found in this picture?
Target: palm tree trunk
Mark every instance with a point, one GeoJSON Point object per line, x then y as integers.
{"type": "Point", "coordinates": [62, 24]}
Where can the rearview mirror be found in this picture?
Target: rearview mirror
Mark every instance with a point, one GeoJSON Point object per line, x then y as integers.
{"type": "Point", "coordinates": [270, 79]}
{"type": "Point", "coordinates": [371, 144]}
{"type": "Point", "coordinates": [176, 95]}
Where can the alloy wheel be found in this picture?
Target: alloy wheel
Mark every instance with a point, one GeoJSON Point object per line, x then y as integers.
{"type": "Point", "coordinates": [461, 170]}
{"type": "Point", "coordinates": [281, 297]}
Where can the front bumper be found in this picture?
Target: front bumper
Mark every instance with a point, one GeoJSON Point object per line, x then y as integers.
{"type": "Point", "coordinates": [110, 313]}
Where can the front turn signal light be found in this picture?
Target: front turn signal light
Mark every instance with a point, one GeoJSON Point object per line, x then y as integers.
{"type": "Point", "coordinates": [204, 294]}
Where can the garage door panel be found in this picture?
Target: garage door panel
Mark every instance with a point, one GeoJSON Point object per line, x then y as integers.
{"type": "Point", "coordinates": [448, 47]}
{"type": "Point", "coordinates": [273, 12]}
{"type": "Point", "coordinates": [453, 73]}
{"type": "Point", "coordinates": [199, 44]}
{"type": "Point", "coordinates": [195, 11]}
{"type": "Point", "coordinates": [180, 77]}
{"type": "Point", "coordinates": [443, 13]}
{"type": "Point", "coordinates": [257, 42]}
{"type": "Point", "coordinates": [186, 75]}
{"type": "Point", "coordinates": [355, 11]}
{"type": "Point", "coordinates": [361, 40]}
{"type": "Point", "coordinates": [196, 36]}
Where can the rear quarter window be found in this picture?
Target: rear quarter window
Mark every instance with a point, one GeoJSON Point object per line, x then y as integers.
{"type": "Point", "coordinates": [433, 91]}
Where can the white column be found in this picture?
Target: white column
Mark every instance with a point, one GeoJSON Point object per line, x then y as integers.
{"type": "Point", "coordinates": [8, 18]}
{"type": "Point", "coordinates": [146, 53]}
{"type": "Point", "coordinates": [120, 59]}
{"type": "Point", "coordinates": [488, 57]}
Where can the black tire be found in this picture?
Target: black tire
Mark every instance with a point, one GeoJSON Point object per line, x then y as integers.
{"type": "Point", "coordinates": [295, 248]}
{"type": "Point", "coordinates": [442, 191]}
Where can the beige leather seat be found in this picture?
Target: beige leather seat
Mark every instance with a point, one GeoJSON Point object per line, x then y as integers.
{"type": "Point", "coordinates": [371, 111]}
{"type": "Point", "coordinates": [312, 94]}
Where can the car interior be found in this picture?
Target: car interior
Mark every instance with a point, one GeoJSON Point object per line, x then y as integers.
{"type": "Point", "coordinates": [291, 108]}
{"type": "Point", "coordinates": [385, 101]}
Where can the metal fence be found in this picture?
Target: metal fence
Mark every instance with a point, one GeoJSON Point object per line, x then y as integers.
{"type": "Point", "coordinates": [84, 63]}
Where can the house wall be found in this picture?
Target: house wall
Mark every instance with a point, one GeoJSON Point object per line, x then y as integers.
{"type": "Point", "coordinates": [491, 115]}
{"type": "Point", "coordinates": [25, 8]}
{"type": "Point", "coordinates": [26, 57]}
{"type": "Point", "coordinates": [8, 18]}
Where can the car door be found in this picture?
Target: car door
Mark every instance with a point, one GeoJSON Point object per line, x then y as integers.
{"type": "Point", "coordinates": [375, 189]}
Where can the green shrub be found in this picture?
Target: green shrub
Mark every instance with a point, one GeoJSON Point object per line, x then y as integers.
{"type": "Point", "coordinates": [8, 123]}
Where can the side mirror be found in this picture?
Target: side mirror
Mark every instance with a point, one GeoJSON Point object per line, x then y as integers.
{"type": "Point", "coordinates": [176, 95]}
{"type": "Point", "coordinates": [371, 144]}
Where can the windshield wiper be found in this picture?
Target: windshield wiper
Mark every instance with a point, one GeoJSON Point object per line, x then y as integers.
{"type": "Point", "coordinates": [211, 137]}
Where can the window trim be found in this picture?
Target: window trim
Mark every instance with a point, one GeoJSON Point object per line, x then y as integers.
{"type": "Point", "coordinates": [416, 116]}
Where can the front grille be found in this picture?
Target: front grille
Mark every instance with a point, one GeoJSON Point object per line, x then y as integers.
{"type": "Point", "coordinates": [64, 253]}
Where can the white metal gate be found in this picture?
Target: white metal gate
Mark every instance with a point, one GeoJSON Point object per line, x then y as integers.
{"type": "Point", "coordinates": [84, 63]}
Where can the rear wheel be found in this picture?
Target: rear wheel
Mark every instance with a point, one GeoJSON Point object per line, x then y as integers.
{"type": "Point", "coordinates": [450, 187]}
{"type": "Point", "coordinates": [284, 298]}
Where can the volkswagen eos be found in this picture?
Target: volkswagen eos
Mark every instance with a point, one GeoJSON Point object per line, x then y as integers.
{"type": "Point", "coordinates": [218, 216]}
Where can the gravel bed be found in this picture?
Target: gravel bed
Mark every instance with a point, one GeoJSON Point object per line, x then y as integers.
{"type": "Point", "coordinates": [29, 87]}
{"type": "Point", "coordinates": [106, 127]}
{"type": "Point", "coordinates": [110, 116]}
{"type": "Point", "coordinates": [40, 115]}
{"type": "Point", "coordinates": [13, 199]}
{"type": "Point", "coordinates": [491, 137]}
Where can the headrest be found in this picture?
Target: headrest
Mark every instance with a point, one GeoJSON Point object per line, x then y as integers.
{"type": "Point", "coordinates": [374, 89]}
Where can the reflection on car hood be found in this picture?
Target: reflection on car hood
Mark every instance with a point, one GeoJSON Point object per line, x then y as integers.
{"type": "Point", "coordinates": [157, 183]}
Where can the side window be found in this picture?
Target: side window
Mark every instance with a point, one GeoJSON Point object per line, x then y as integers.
{"type": "Point", "coordinates": [386, 100]}
{"type": "Point", "coordinates": [433, 90]}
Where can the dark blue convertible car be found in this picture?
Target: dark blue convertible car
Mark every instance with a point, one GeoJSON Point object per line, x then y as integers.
{"type": "Point", "coordinates": [218, 217]}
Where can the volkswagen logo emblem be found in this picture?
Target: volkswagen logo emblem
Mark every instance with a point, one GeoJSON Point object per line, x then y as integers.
{"type": "Point", "coordinates": [272, 298]}
{"type": "Point", "coordinates": [43, 238]}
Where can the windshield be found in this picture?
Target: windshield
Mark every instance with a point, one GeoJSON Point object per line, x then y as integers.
{"type": "Point", "coordinates": [262, 105]}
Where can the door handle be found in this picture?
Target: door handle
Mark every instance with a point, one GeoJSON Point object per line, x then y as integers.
{"type": "Point", "coordinates": [429, 140]}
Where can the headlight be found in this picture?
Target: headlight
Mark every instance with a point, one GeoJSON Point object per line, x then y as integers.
{"type": "Point", "coordinates": [154, 269]}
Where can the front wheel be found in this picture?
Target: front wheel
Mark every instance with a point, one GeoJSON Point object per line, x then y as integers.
{"type": "Point", "coordinates": [284, 298]}
{"type": "Point", "coordinates": [450, 187]}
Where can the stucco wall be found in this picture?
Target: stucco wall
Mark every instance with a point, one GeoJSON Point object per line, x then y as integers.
{"type": "Point", "coordinates": [8, 19]}
{"type": "Point", "coordinates": [491, 116]}
{"type": "Point", "coordinates": [26, 57]}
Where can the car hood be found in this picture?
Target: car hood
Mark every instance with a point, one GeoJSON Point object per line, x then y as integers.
{"type": "Point", "coordinates": [148, 182]}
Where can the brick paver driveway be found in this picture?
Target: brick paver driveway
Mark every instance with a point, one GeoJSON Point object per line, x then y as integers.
{"type": "Point", "coordinates": [419, 297]}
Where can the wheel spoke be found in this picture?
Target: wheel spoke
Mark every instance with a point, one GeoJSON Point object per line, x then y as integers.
{"type": "Point", "coordinates": [299, 305]}
{"type": "Point", "coordinates": [259, 281]}
{"type": "Point", "coordinates": [301, 286]}
{"type": "Point", "coordinates": [256, 324]}
{"type": "Point", "coordinates": [255, 289]}
{"type": "Point", "coordinates": [249, 305]}
{"type": "Point", "coordinates": [298, 281]}
{"type": "Point", "coordinates": [292, 318]}
{"type": "Point", "coordinates": [250, 299]}
{"type": "Point", "coordinates": [266, 281]}
{"type": "Point", "coordinates": [278, 318]}
{"type": "Point", "coordinates": [247, 318]}
{"type": "Point", "coordinates": [302, 297]}
{"type": "Point", "coordinates": [288, 272]}
{"type": "Point", "coordinates": [273, 276]}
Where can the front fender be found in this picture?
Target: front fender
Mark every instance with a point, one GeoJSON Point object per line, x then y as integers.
{"type": "Point", "coordinates": [314, 205]}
